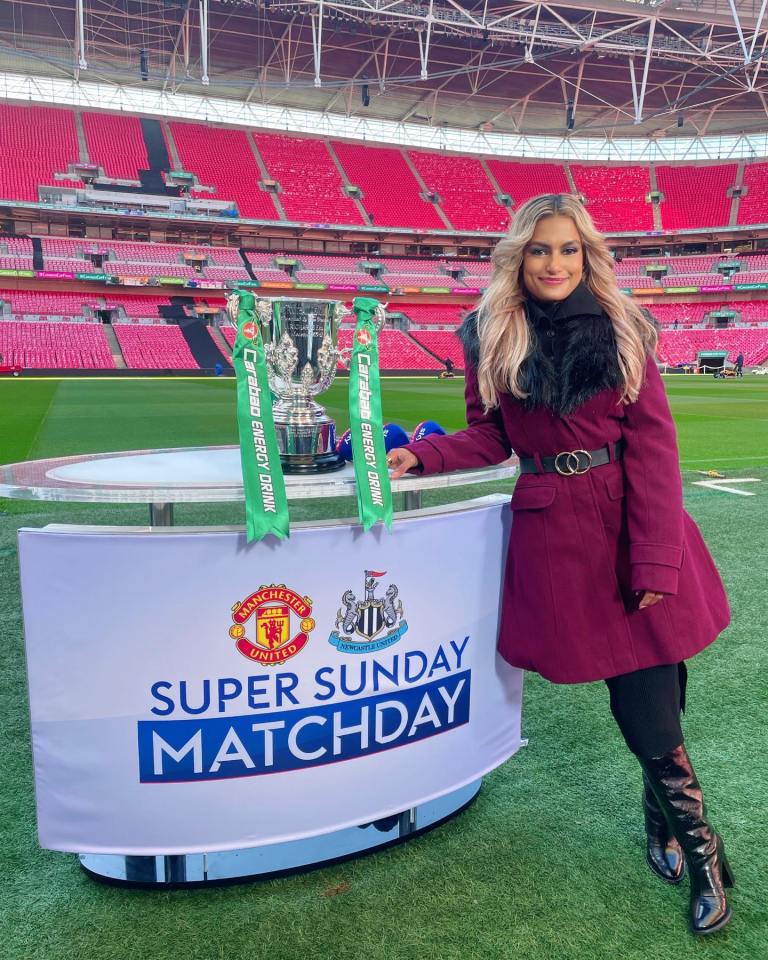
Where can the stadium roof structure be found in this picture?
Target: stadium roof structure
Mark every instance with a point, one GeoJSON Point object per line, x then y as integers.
{"type": "Point", "coordinates": [682, 72]}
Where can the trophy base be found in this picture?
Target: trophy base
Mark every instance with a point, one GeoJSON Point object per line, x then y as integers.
{"type": "Point", "coordinates": [326, 463]}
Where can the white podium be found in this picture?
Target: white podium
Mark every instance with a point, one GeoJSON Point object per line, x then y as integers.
{"type": "Point", "coordinates": [175, 745]}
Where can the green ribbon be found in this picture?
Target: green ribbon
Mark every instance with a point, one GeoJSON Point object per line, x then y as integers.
{"type": "Point", "coordinates": [369, 458]}
{"type": "Point", "coordinates": [266, 505]}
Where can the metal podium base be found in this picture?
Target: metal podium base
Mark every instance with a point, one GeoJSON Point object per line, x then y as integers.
{"type": "Point", "coordinates": [256, 863]}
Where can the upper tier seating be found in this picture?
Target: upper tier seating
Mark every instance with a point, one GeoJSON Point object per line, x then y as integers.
{"type": "Point", "coordinates": [312, 187]}
{"type": "Point", "coordinates": [753, 206]}
{"type": "Point", "coordinates": [55, 345]}
{"type": "Point", "coordinates": [616, 196]}
{"type": "Point", "coordinates": [525, 180]}
{"type": "Point", "coordinates": [466, 195]}
{"type": "Point", "coordinates": [391, 193]}
{"type": "Point", "coordinates": [35, 143]}
{"type": "Point", "coordinates": [154, 348]}
{"type": "Point", "coordinates": [115, 142]}
{"type": "Point", "coordinates": [442, 343]}
{"type": "Point", "coordinates": [223, 159]}
{"type": "Point", "coordinates": [695, 196]}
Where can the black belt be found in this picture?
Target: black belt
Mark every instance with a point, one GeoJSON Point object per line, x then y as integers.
{"type": "Point", "coordinates": [570, 463]}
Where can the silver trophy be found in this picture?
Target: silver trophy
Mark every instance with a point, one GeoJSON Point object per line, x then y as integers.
{"type": "Point", "coordinates": [301, 346]}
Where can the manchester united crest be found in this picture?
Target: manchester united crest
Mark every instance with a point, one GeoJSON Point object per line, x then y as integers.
{"type": "Point", "coordinates": [370, 624]}
{"type": "Point", "coordinates": [273, 608]}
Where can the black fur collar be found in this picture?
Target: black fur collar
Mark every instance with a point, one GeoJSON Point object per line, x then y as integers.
{"type": "Point", "coordinates": [588, 356]}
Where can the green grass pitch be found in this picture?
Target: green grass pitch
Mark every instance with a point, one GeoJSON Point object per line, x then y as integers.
{"type": "Point", "coordinates": [546, 865]}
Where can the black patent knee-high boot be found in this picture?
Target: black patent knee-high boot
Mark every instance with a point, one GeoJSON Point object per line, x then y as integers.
{"type": "Point", "coordinates": [663, 853]}
{"type": "Point", "coordinates": [679, 794]}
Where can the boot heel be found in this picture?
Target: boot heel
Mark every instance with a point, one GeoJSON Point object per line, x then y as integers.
{"type": "Point", "coordinates": [729, 880]}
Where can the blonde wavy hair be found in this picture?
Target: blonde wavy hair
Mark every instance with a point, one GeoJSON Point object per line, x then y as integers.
{"type": "Point", "coordinates": [505, 339]}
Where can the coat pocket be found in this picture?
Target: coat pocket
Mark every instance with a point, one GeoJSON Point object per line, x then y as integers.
{"type": "Point", "coordinates": [614, 483]}
{"type": "Point", "coordinates": [532, 498]}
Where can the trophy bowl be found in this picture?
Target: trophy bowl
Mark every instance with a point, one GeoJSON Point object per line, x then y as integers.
{"type": "Point", "coordinates": [301, 347]}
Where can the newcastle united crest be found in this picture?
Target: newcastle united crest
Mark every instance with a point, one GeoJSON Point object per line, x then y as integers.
{"type": "Point", "coordinates": [371, 624]}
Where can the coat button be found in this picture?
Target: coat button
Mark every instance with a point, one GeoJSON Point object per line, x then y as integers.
{"type": "Point", "coordinates": [550, 333]}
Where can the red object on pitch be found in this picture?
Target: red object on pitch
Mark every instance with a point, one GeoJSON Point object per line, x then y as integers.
{"type": "Point", "coordinates": [583, 548]}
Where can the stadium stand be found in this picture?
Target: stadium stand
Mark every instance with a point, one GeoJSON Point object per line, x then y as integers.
{"type": "Point", "coordinates": [115, 143]}
{"type": "Point", "coordinates": [753, 205]}
{"type": "Point", "coordinates": [391, 194]}
{"type": "Point", "coordinates": [39, 142]}
{"type": "Point", "coordinates": [682, 346]}
{"type": "Point", "coordinates": [35, 143]}
{"type": "Point", "coordinates": [229, 334]}
{"type": "Point", "coordinates": [616, 197]}
{"type": "Point", "coordinates": [154, 348]}
{"type": "Point", "coordinates": [136, 307]}
{"type": "Point", "coordinates": [693, 280]}
{"type": "Point", "coordinates": [122, 268]}
{"type": "Point", "coordinates": [691, 314]}
{"type": "Point", "coordinates": [55, 345]}
{"type": "Point", "coordinates": [265, 268]}
{"type": "Point", "coordinates": [223, 159]}
{"type": "Point", "coordinates": [436, 315]}
{"type": "Point", "coordinates": [466, 195]}
{"type": "Point", "coordinates": [312, 187]}
{"type": "Point", "coordinates": [42, 304]}
{"type": "Point", "coordinates": [442, 344]}
{"type": "Point", "coordinates": [695, 196]}
{"type": "Point", "coordinates": [313, 268]}
{"type": "Point", "coordinates": [525, 180]}
{"type": "Point", "coordinates": [396, 351]}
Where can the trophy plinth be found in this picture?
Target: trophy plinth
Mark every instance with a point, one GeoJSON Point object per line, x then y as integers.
{"type": "Point", "coordinates": [302, 353]}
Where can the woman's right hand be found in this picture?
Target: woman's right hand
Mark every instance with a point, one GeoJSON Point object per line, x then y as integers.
{"type": "Point", "coordinates": [399, 461]}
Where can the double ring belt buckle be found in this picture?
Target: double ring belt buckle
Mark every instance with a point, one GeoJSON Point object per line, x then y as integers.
{"type": "Point", "coordinates": [571, 465]}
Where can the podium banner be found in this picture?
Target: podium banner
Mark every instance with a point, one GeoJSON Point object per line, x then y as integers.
{"type": "Point", "coordinates": [188, 695]}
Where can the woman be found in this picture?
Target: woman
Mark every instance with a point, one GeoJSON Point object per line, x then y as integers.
{"type": "Point", "coordinates": [607, 577]}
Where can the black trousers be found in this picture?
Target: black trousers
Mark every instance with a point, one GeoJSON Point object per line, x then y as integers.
{"type": "Point", "coordinates": [646, 705]}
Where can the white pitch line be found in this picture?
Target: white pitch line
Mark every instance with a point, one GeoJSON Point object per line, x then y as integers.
{"type": "Point", "coordinates": [719, 485]}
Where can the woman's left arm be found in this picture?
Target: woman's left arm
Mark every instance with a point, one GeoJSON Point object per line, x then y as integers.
{"type": "Point", "coordinates": [654, 496]}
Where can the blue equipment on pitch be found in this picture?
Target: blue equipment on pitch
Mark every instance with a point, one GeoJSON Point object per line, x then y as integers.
{"type": "Point", "coordinates": [394, 436]}
{"type": "Point", "coordinates": [344, 445]}
{"type": "Point", "coordinates": [425, 428]}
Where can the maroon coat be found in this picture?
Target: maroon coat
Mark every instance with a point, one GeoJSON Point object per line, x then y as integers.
{"type": "Point", "coordinates": [581, 546]}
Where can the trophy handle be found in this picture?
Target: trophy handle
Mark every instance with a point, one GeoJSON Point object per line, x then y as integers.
{"type": "Point", "coordinates": [263, 310]}
{"type": "Point", "coordinates": [380, 316]}
{"type": "Point", "coordinates": [233, 307]}
{"type": "Point", "coordinates": [345, 357]}
{"type": "Point", "coordinates": [340, 312]}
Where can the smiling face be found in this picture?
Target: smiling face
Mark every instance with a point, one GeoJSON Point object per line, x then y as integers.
{"type": "Point", "coordinates": [553, 260]}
